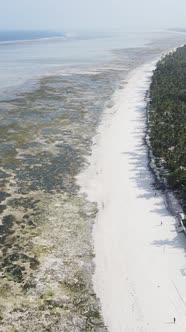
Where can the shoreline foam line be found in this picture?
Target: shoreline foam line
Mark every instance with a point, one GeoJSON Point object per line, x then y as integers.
{"type": "Point", "coordinates": [140, 267]}
{"type": "Point", "coordinates": [37, 40]}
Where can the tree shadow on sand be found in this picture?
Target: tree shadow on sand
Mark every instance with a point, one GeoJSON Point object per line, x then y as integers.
{"type": "Point", "coordinates": [142, 176]}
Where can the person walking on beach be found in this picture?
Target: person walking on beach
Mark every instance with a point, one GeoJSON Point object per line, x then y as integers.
{"type": "Point", "coordinates": [174, 319]}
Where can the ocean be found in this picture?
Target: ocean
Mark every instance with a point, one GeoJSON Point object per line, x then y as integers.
{"type": "Point", "coordinates": [53, 91]}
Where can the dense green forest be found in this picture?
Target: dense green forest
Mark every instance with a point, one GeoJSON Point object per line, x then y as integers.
{"type": "Point", "coordinates": [167, 120]}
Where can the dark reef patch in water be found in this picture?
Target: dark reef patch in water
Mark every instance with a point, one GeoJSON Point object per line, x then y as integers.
{"type": "Point", "coordinates": [3, 195]}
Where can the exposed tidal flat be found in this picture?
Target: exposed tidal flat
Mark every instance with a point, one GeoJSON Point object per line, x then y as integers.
{"type": "Point", "coordinates": [46, 223]}
{"type": "Point", "coordinates": [46, 246]}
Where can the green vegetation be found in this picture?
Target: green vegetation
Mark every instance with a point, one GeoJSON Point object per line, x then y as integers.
{"type": "Point", "coordinates": [167, 120]}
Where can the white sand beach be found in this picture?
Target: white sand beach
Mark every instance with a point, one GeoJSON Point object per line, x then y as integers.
{"type": "Point", "coordinates": [140, 274]}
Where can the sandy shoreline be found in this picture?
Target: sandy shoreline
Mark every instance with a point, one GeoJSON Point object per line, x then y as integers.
{"type": "Point", "coordinates": [140, 264]}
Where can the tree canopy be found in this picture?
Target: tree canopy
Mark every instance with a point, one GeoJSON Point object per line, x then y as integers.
{"type": "Point", "coordinates": [167, 119]}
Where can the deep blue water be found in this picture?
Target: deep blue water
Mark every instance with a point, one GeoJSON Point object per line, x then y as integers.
{"type": "Point", "coordinates": [17, 35]}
